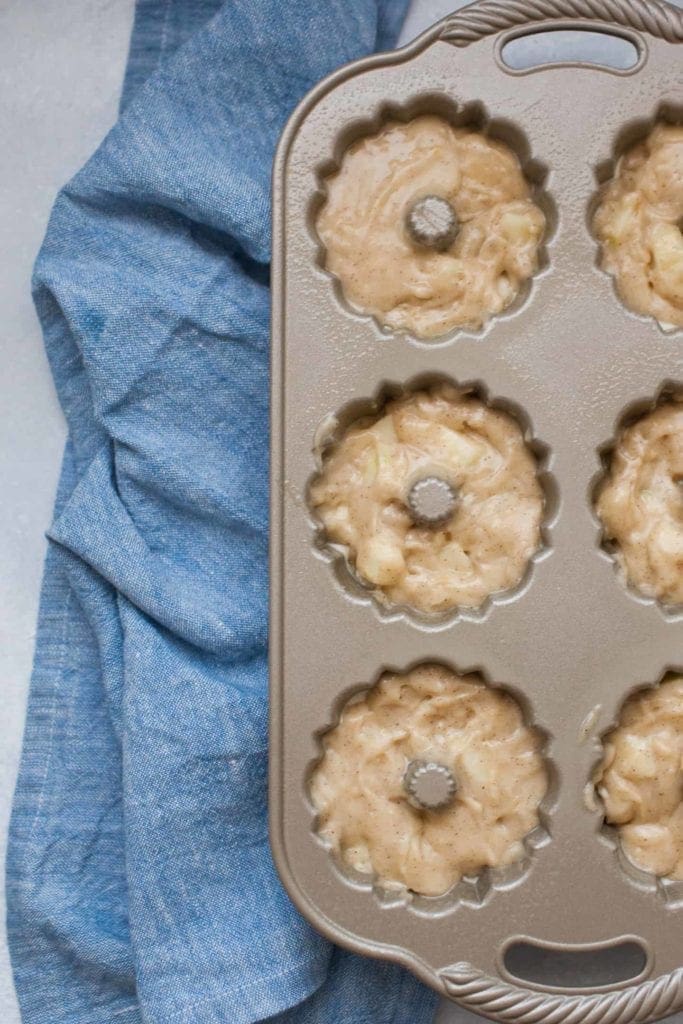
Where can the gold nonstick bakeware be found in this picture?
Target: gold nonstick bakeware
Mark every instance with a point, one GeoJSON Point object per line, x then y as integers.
{"type": "Point", "coordinates": [572, 642]}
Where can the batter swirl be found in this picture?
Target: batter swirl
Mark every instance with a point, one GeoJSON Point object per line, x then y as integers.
{"type": "Point", "coordinates": [430, 714]}
{"type": "Point", "coordinates": [362, 498]}
{"type": "Point", "coordinates": [641, 503]}
{"type": "Point", "coordinates": [384, 269]}
{"type": "Point", "coordinates": [638, 223]}
{"type": "Point", "coordinates": [641, 779]}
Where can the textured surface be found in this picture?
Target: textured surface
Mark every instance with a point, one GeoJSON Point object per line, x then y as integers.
{"type": "Point", "coordinates": [503, 1002]}
{"type": "Point", "coordinates": [648, 16]}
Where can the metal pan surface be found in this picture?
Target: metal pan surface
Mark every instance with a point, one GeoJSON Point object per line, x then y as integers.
{"type": "Point", "coordinates": [572, 642]}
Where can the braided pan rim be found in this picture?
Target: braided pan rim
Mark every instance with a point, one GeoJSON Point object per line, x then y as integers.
{"type": "Point", "coordinates": [637, 1004]}
{"type": "Point", "coordinates": [488, 17]}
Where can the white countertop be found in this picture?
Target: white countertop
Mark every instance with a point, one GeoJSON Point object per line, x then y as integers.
{"type": "Point", "coordinates": [61, 66]}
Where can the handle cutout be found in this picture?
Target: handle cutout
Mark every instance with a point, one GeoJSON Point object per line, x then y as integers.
{"type": "Point", "coordinates": [578, 967]}
{"type": "Point", "coordinates": [533, 51]}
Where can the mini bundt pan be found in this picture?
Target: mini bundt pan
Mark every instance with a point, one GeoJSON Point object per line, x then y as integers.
{"type": "Point", "coordinates": [575, 639]}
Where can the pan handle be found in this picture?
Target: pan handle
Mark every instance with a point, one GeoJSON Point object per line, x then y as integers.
{"type": "Point", "coordinates": [505, 1002]}
{"type": "Point", "coordinates": [489, 17]}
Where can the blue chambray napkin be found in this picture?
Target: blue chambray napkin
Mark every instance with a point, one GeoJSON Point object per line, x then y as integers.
{"type": "Point", "coordinates": [140, 886]}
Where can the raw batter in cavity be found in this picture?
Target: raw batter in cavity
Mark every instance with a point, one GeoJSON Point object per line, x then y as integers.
{"type": "Point", "coordinates": [406, 286]}
{"type": "Point", "coordinates": [639, 224]}
{"type": "Point", "coordinates": [431, 714]}
{"type": "Point", "coordinates": [641, 503]}
{"type": "Point", "coordinates": [482, 548]}
{"type": "Point", "coordinates": [641, 779]}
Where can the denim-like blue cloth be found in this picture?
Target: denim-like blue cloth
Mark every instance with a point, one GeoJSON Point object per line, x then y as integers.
{"type": "Point", "coordinates": [140, 885]}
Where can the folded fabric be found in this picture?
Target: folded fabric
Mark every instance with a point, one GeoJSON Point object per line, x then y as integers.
{"type": "Point", "coordinates": [140, 885]}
